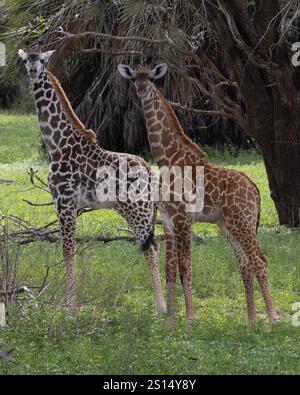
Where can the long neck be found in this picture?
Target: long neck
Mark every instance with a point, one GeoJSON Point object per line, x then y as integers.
{"type": "Point", "coordinates": [54, 124]}
{"type": "Point", "coordinates": [168, 142]}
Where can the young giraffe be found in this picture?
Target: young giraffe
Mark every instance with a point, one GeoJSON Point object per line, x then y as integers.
{"type": "Point", "coordinates": [74, 179]}
{"type": "Point", "coordinates": [231, 199]}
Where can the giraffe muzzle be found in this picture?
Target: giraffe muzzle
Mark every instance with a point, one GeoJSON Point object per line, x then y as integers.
{"type": "Point", "coordinates": [33, 73]}
{"type": "Point", "coordinates": [141, 92]}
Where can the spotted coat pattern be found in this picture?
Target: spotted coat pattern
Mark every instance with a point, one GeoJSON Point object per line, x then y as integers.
{"type": "Point", "coordinates": [74, 182]}
{"type": "Point", "coordinates": [231, 200]}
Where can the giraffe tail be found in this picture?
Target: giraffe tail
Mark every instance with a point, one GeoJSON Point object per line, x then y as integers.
{"type": "Point", "coordinates": [258, 214]}
{"type": "Point", "coordinates": [259, 201]}
{"type": "Point", "coordinates": [150, 239]}
{"type": "Point", "coordinates": [147, 243]}
{"type": "Point", "coordinates": [261, 254]}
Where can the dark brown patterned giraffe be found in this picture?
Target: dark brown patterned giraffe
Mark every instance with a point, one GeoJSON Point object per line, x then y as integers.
{"type": "Point", "coordinates": [231, 200]}
{"type": "Point", "coordinates": [82, 173]}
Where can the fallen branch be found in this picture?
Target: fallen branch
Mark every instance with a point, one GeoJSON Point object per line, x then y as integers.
{"type": "Point", "coordinates": [37, 204]}
{"type": "Point", "coordinates": [109, 36]}
{"type": "Point", "coordinates": [50, 234]}
{"type": "Point", "coordinates": [8, 182]}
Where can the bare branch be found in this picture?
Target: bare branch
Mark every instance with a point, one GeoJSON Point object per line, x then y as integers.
{"type": "Point", "coordinates": [166, 41]}
{"type": "Point", "coordinates": [109, 36]}
{"type": "Point", "coordinates": [105, 51]}
{"type": "Point", "coordinates": [8, 182]}
{"type": "Point", "coordinates": [37, 204]}
{"type": "Point", "coordinates": [202, 112]}
{"type": "Point", "coordinates": [256, 59]}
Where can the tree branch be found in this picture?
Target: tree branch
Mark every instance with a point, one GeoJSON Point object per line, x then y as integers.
{"type": "Point", "coordinates": [252, 55]}
{"type": "Point", "coordinates": [166, 41]}
{"type": "Point", "coordinates": [202, 112]}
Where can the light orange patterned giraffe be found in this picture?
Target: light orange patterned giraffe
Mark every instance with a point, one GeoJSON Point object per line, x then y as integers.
{"type": "Point", "coordinates": [231, 200]}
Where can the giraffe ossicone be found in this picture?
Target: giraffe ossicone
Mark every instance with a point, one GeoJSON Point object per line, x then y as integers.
{"type": "Point", "coordinates": [231, 200]}
{"type": "Point", "coordinates": [73, 176]}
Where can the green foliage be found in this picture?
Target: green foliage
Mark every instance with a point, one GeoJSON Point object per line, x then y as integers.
{"type": "Point", "coordinates": [116, 330]}
{"type": "Point", "coordinates": [103, 101]}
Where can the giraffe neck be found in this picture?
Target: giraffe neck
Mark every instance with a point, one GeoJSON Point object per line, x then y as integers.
{"type": "Point", "coordinates": [168, 142]}
{"type": "Point", "coordinates": [54, 125]}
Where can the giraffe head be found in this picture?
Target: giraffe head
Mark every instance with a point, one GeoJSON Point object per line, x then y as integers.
{"type": "Point", "coordinates": [143, 77]}
{"type": "Point", "coordinates": [34, 61]}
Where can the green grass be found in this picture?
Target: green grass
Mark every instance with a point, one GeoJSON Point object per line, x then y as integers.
{"type": "Point", "coordinates": [116, 330]}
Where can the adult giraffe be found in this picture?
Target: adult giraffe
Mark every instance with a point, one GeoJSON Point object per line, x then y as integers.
{"type": "Point", "coordinates": [82, 173]}
{"type": "Point", "coordinates": [231, 199]}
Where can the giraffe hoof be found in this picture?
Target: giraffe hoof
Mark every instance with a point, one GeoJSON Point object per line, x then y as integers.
{"type": "Point", "coordinates": [274, 317]}
{"type": "Point", "coordinates": [162, 310]}
{"type": "Point", "coordinates": [189, 325]}
{"type": "Point", "coordinates": [170, 323]}
{"type": "Point", "coordinates": [72, 306]}
{"type": "Point", "coordinates": [251, 322]}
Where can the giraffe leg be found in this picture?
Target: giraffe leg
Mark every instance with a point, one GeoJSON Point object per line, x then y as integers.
{"type": "Point", "coordinates": [171, 272]}
{"type": "Point", "coordinates": [142, 226]}
{"type": "Point", "coordinates": [67, 218]}
{"type": "Point", "coordinates": [262, 277]}
{"type": "Point", "coordinates": [259, 266]}
{"type": "Point", "coordinates": [247, 272]}
{"type": "Point", "coordinates": [247, 276]}
{"type": "Point", "coordinates": [183, 242]}
{"type": "Point", "coordinates": [256, 266]}
{"type": "Point", "coordinates": [152, 258]}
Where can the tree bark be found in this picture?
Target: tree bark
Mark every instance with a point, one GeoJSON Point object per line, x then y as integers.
{"type": "Point", "coordinates": [257, 60]}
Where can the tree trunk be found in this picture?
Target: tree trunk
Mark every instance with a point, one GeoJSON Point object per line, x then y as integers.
{"type": "Point", "coordinates": [257, 61]}
{"type": "Point", "coordinates": [284, 184]}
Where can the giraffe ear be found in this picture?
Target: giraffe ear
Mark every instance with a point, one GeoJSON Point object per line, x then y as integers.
{"type": "Point", "coordinates": [159, 71]}
{"type": "Point", "coordinates": [45, 56]}
{"type": "Point", "coordinates": [125, 71]}
{"type": "Point", "coordinates": [23, 55]}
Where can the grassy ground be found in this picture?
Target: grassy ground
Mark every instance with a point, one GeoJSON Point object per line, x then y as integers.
{"type": "Point", "coordinates": [116, 330]}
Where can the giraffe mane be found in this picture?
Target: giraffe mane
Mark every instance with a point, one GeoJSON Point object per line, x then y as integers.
{"type": "Point", "coordinates": [175, 124]}
{"type": "Point", "coordinates": [72, 117]}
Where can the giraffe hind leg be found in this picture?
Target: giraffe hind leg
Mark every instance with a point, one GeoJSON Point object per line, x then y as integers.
{"type": "Point", "coordinates": [262, 277]}
{"type": "Point", "coordinates": [256, 267]}
{"type": "Point", "coordinates": [259, 263]}
{"type": "Point", "coordinates": [247, 272]}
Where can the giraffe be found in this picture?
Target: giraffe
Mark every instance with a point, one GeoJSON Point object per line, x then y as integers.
{"type": "Point", "coordinates": [230, 200]}
{"type": "Point", "coordinates": [81, 173]}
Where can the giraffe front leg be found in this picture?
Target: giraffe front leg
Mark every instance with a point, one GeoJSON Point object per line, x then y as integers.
{"type": "Point", "coordinates": [171, 272]}
{"type": "Point", "coordinates": [185, 271]}
{"type": "Point", "coordinates": [142, 226]}
{"type": "Point", "coordinates": [67, 218]}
